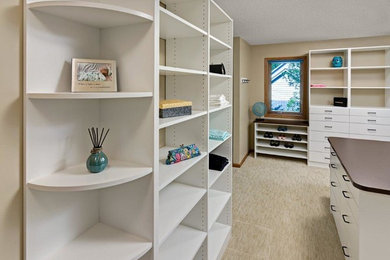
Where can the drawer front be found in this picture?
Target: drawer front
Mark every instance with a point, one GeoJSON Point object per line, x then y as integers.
{"type": "Point", "coordinates": [329, 110]}
{"type": "Point", "coordinates": [316, 146]}
{"type": "Point", "coordinates": [319, 157]}
{"type": "Point", "coordinates": [329, 126]}
{"type": "Point", "coordinates": [366, 129]}
{"type": "Point", "coordinates": [329, 118]}
{"type": "Point", "coordinates": [323, 136]}
{"type": "Point", "coordinates": [371, 137]}
{"type": "Point", "coordinates": [370, 112]}
{"type": "Point", "coordinates": [370, 120]}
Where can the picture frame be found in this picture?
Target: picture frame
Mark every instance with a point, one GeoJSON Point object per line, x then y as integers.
{"type": "Point", "coordinates": [90, 75]}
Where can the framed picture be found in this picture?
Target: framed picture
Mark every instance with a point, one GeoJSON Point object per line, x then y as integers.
{"type": "Point", "coordinates": [93, 75]}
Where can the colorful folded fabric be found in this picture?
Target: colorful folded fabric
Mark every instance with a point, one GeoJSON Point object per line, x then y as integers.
{"type": "Point", "coordinates": [218, 135]}
{"type": "Point", "coordinates": [182, 153]}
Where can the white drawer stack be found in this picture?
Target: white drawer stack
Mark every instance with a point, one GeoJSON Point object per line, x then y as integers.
{"type": "Point", "coordinates": [344, 199]}
{"type": "Point", "coordinates": [325, 122]}
{"type": "Point", "coordinates": [372, 124]}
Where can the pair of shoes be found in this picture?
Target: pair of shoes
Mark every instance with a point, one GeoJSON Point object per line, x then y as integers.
{"type": "Point", "coordinates": [282, 128]}
{"type": "Point", "coordinates": [297, 138]}
{"type": "Point", "coordinates": [282, 137]}
{"type": "Point", "coordinates": [268, 135]}
{"type": "Point", "coordinates": [274, 143]}
{"type": "Point", "coordinates": [289, 145]}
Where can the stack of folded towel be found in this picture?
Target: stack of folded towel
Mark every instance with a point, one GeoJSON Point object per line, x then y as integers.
{"type": "Point", "coordinates": [218, 100]}
{"type": "Point", "coordinates": [218, 135]}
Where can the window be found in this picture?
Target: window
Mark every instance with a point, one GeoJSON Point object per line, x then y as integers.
{"type": "Point", "coordinates": [285, 87]}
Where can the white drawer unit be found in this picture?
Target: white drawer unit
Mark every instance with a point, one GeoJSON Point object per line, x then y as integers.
{"type": "Point", "coordinates": [371, 112]}
{"type": "Point", "coordinates": [370, 120]}
{"type": "Point", "coordinates": [319, 157]}
{"type": "Point", "coordinates": [368, 129]}
{"type": "Point", "coordinates": [323, 147]}
{"type": "Point", "coordinates": [370, 137]}
{"type": "Point", "coordinates": [329, 118]}
{"type": "Point", "coordinates": [326, 110]}
{"type": "Point", "coordinates": [329, 126]}
{"type": "Point", "coordinates": [323, 136]}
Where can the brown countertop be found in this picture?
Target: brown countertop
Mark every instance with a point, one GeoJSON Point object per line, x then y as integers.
{"type": "Point", "coordinates": [367, 163]}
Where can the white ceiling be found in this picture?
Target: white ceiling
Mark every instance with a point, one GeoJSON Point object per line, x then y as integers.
{"type": "Point", "coordinates": [279, 21]}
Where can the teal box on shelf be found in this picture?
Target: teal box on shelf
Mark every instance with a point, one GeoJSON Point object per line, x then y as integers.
{"type": "Point", "coordinates": [173, 108]}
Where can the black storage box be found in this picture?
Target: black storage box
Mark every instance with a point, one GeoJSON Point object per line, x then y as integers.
{"type": "Point", "coordinates": [340, 102]}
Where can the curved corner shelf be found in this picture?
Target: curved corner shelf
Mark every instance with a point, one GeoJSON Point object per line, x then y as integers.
{"type": "Point", "coordinates": [219, 235]}
{"type": "Point", "coordinates": [217, 202]}
{"type": "Point", "coordinates": [104, 242]}
{"type": "Point", "coordinates": [216, 75]}
{"type": "Point", "coordinates": [70, 95]}
{"type": "Point", "coordinates": [91, 13]}
{"type": "Point", "coordinates": [329, 68]}
{"type": "Point", "coordinates": [214, 144]}
{"type": "Point", "coordinates": [218, 108]}
{"type": "Point", "coordinates": [77, 178]}
{"type": "Point", "coordinates": [217, 44]}
{"type": "Point", "coordinates": [172, 71]}
{"type": "Point", "coordinates": [214, 175]}
{"type": "Point", "coordinates": [170, 121]}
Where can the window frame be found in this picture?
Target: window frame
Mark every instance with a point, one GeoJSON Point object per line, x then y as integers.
{"type": "Point", "coordinates": [267, 89]}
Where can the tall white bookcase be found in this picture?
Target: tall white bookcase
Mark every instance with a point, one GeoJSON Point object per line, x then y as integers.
{"type": "Point", "coordinates": [138, 208]}
{"type": "Point", "coordinates": [364, 80]}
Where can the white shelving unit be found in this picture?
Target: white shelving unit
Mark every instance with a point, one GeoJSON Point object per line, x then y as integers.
{"type": "Point", "coordinates": [364, 81]}
{"type": "Point", "coordinates": [138, 207]}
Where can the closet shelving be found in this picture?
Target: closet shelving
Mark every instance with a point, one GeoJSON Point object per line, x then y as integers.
{"type": "Point", "coordinates": [139, 207]}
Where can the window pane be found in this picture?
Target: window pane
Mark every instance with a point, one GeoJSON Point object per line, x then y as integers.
{"type": "Point", "coordinates": [286, 86]}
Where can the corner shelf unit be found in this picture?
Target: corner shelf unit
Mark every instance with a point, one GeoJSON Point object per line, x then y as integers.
{"type": "Point", "coordinates": [138, 207]}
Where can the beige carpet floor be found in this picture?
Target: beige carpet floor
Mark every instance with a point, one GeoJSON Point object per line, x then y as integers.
{"type": "Point", "coordinates": [281, 212]}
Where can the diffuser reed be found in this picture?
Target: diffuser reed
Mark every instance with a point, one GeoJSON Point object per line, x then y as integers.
{"type": "Point", "coordinates": [97, 161]}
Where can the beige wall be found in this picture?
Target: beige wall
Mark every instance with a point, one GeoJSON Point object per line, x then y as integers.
{"type": "Point", "coordinates": [10, 130]}
{"type": "Point", "coordinates": [242, 63]}
{"type": "Point", "coordinates": [259, 52]}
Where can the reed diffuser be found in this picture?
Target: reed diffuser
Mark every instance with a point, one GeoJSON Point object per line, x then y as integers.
{"type": "Point", "coordinates": [97, 161]}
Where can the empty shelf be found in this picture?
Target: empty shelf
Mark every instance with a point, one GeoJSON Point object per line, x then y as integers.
{"type": "Point", "coordinates": [217, 202]}
{"type": "Point", "coordinates": [70, 95]}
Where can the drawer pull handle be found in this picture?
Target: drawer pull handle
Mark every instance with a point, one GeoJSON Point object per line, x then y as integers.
{"type": "Point", "coordinates": [345, 177]}
{"type": "Point", "coordinates": [371, 130]}
{"type": "Point", "coordinates": [344, 253]}
{"type": "Point", "coordinates": [328, 118]}
{"type": "Point", "coordinates": [327, 158]}
{"type": "Point", "coordinates": [371, 120]}
{"type": "Point", "coordinates": [333, 184]}
{"type": "Point", "coordinates": [328, 126]}
{"type": "Point", "coordinates": [371, 113]}
{"type": "Point", "coordinates": [332, 208]}
{"type": "Point", "coordinates": [328, 111]}
{"type": "Point", "coordinates": [345, 219]}
{"type": "Point", "coordinates": [333, 153]}
{"type": "Point", "coordinates": [327, 148]}
{"type": "Point", "coordinates": [333, 166]}
{"type": "Point", "coordinates": [344, 194]}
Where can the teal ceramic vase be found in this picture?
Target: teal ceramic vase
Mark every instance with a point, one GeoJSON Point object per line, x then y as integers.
{"type": "Point", "coordinates": [97, 161]}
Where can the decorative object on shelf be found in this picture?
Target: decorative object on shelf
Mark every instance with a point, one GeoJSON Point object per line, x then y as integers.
{"type": "Point", "coordinates": [97, 161]}
{"type": "Point", "coordinates": [274, 143]}
{"type": "Point", "coordinates": [282, 128]}
{"type": "Point", "coordinates": [217, 163]}
{"type": "Point", "coordinates": [174, 107]}
{"type": "Point", "coordinates": [218, 135]}
{"type": "Point", "coordinates": [282, 137]}
{"type": "Point", "coordinates": [268, 135]}
{"type": "Point", "coordinates": [337, 62]}
{"type": "Point", "coordinates": [259, 109]}
{"type": "Point", "coordinates": [318, 86]}
{"type": "Point", "coordinates": [182, 153]}
{"type": "Point", "coordinates": [218, 68]}
{"type": "Point", "coordinates": [297, 138]}
{"type": "Point", "coordinates": [218, 100]}
{"type": "Point", "coordinates": [93, 75]}
{"type": "Point", "coordinates": [340, 101]}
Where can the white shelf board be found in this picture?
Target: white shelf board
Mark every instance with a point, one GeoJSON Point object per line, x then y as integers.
{"type": "Point", "coordinates": [275, 130]}
{"type": "Point", "coordinates": [217, 44]}
{"type": "Point", "coordinates": [107, 95]}
{"type": "Point", "coordinates": [330, 68]}
{"type": "Point", "coordinates": [219, 235]}
{"type": "Point", "coordinates": [172, 71]}
{"type": "Point", "coordinates": [216, 75]}
{"type": "Point", "coordinates": [77, 178]}
{"type": "Point", "coordinates": [168, 173]}
{"type": "Point", "coordinates": [370, 48]}
{"type": "Point", "coordinates": [176, 201]}
{"type": "Point", "coordinates": [288, 139]}
{"type": "Point", "coordinates": [323, 51]}
{"type": "Point", "coordinates": [214, 144]}
{"type": "Point", "coordinates": [184, 243]}
{"type": "Point", "coordinates": [297, 147]}
{"type": "Point", "coordinates": [330, 87]}
{"type": "Point", "coordinates": [173, 26]}
{"type": "Point", "coordinates": [214, 175]}
{"type": "Point", "coordinates": [217, 202]}
{"type": "Point", "coordinates": [94, 14]}
{"type": "Point", "coordinates": [104, 242]}
{"type": "Point", "coordinates": [370, 87]}
{"type": "Point", "coordinates": [217, 14]}
{"type": "Point", "coordinates": [279, 152]}
{"type": "Point", "coordinates": [213, 109]}
{"type": "Point", "coordinates": [370, 67]}
{"type": "Point", "coordinates": [170, 121]}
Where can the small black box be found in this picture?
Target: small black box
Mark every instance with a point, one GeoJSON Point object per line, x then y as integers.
{"type": "Point", "coordinates": [340, 101]}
